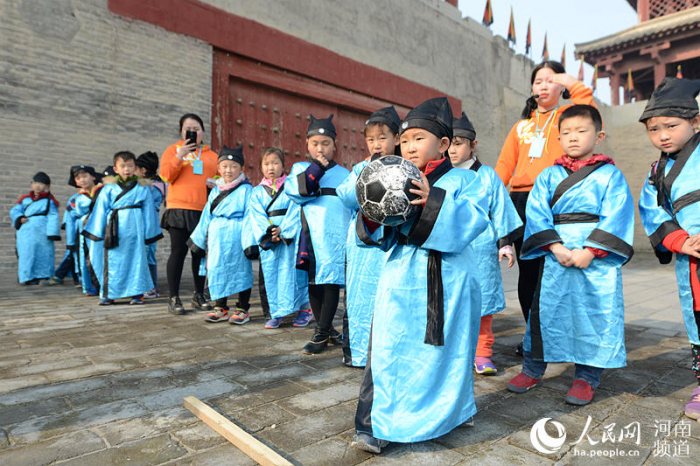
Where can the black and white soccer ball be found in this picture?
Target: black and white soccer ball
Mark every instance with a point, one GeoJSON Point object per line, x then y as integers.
{"type": "Point", "coordinates": [382, 190]}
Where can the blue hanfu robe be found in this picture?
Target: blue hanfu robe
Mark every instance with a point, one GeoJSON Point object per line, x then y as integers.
{"type": "Point", "coordinates": [363, 268]}
{"type": "Point", "coordinates": [35, 238]}
{"type": "Point", "coordinates": [418, 383]}
{"type": "Point", "coordinates": [157, 197]}
{"type": "Point", "coordinates": [70, 226]}
{"type": "Point", "coordinates": [324, 223]}
{"type": "Point", "coordinates": [578, 314]}
{"type": "Point", "coordinates": [220, 233]}
{"type": "Point", "coordinates": [673, 208]}
{"type": "Point", "coordinates": [122, 223]}
{"type": "Point", "coordinates": [88, 275]}
{"type": "Point", "coordinates": [286, 286]}
{"type": "Point", "coordinates": [504, 227]}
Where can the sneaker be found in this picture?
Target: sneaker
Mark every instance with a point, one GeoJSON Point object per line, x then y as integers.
{"type": "Point", "coordinates": [106, 302]}
{"type": "Point", "coordinates": [336, 338]}
{"type": "Point", "coordinates": [220, 314]}
{"type": "Point", "coordinates": [692, 409]}
{"type": "Point", "coordinates": [468, 423]}
{"type": "Point", "coordinates": [91, 293]}
{"type": "Point", "coordinates": [239, 317]}
{"type": "Point", "coordinates": [53, 281]}
{"type": "Point", "coordinates": [200, 304]}
{"type": "Point", "coordinates": [317, 344]}
{"type": "Point", "coordinates": [151, 294]}
{"type": "Point", "coordinates": [484, 366]}
{"type": "Point", "coordinates": [175, 306]}
{"type": "Point", "coordinates": [580, 393]}
{"type": "Point", "coordinates": [368, 443]}
{"type": "Point", "coordinates": [136, 300]}
{"type": "Point", "coordinates": [303, 318]}
{"type": "Point", "coordinates": [522, 383]}
{"type": "Point", "coordinates": [273, 323]}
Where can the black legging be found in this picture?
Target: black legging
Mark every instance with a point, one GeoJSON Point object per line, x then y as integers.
{"type": "Point", "coordinates": [243, 300]}
{"type": "Point", "coordinates": [529, 270]}
{"type": "Point", "coordinates": [324, 303]}
{"type": "Point", "coordinates": [178, 252]}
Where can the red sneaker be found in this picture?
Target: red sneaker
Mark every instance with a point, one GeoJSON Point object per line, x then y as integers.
{"type": "Point", "coordinates": [580, 393]}
{"type": "Point", "coordinates": [522, 383]}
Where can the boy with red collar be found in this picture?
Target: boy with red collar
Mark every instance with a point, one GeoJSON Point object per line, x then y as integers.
{"type": "Point", "coordinates": [35, 217]}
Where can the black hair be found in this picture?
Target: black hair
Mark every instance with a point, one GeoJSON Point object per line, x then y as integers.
{"type": "Point", "coordinates": [124, 155]}
{"type": "Point", "coordinates": [586, 111]}
{"type": "Point", "coordinates": [192, 116]}
{"type": "Point", "coordinates": [272, 150]}
{"type": "Point", "coordinates": [378, 123]}
{"type": "Point", "coordinates": [531, 102]}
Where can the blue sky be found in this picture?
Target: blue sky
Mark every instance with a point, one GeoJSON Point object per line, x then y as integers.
{"type": "Point", "coordinates": [565, 21]}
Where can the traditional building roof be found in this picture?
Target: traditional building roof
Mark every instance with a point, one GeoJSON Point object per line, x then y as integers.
{"type": "Point", "coordinates": [652, 30]}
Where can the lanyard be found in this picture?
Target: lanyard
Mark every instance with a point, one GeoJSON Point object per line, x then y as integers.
{"type": "Point", "coordinates": [539, 130]}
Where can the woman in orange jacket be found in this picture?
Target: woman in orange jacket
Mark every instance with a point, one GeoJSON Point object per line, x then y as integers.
{"type": "Point", "coordinates": [186, 166]}
{"type": "Point", "coordinates": [533, 145]}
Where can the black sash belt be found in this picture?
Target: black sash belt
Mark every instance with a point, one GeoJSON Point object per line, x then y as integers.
{"type": "Point", "coordinates": [685, 200]}
{"type": "Point", "coordinates": [112, 236]}
{"type": "Point", "coordinates": [276, 213]}
{"type": "Point", "coordinates": [576, 217]}
{"type": "Point", "coordinates": [327, 192]}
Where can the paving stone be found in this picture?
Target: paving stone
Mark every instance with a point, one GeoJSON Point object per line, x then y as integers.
{"type": "Point", "coordinates": [266, 416]}
{"type": "Point", "coordinates": [423, 453]}
{"type": "Point", "coordinates": [488, 428]}
{"type": "Point", "coordinates": [174, 396]}
{"type": "Point", "coordinates": [60, 448]}
{"type": "Point", "coordinates": [15, 383]}
{"type": "Point", "coordinates": [257, 396]}
{"type": "Point", "coordinates": [198, 436]}
{"type": "Point", "coordinates": [12, 414]}
{"type": "Point", "coordinates": [330, 451]}
{"type": "Point", "coordinates": [312, 401]}
{"type": "Point", "coordinates": [149, 425]}
{"type": "Point", "coordinates": [501, 453]}
{"type": "Point", "coordinates": [52, 390]}
{"type": "Point", "coordinates": [144, 452]}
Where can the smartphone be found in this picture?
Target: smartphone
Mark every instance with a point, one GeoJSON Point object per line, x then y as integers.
{"type": "Point", "coordinates": [190, 137]}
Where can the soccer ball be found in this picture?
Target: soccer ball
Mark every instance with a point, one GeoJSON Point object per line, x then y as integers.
{"type": "Point", "coordinates": [382, 190]}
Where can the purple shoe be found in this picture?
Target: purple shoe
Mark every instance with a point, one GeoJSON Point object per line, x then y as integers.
{"type": "Point", "coordinates": [303, 318]}
{"type": "Point", "coordinates": [273, 323]}
{"type": "Point", "coordinates": [484, 366]}
{"type": "Point", "coordinates": [692, 409]}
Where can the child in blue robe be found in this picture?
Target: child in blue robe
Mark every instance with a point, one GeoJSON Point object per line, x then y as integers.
{"type": "Point", "coordinates": [69, 263]}
{"type": "Point", "coordinates": [122, 223]}
{"type": "Point", "coordinates": [324, 221]}
{"type": "Point", "coordinates": [580, 217]}
{"type": "Point", "coordinates": [364, 265]}
{"type": "Point", "coordinates": [274, 221]}
{"type": "Point", "coordinates": [417, 383]}
{"type": "Point", "coordinates": [220, 233]}
{"type": "Point", "coordinates": [669, 204]}
{"type": "Point", "coordinates": [494, 244]}
{"type": "Point", "coordinates": [147, 168]}
{"type": "Point", "coordinates": [37, 225]}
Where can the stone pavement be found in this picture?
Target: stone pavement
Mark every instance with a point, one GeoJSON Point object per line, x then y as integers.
{"type": "Point", "coordinates": [87, 385]}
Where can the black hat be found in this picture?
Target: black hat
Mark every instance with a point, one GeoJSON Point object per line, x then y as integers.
{"type": "Point", "coordinates": [386, 116]}
{"type": "Point", "coordinates": [673, 98]}
{"type": "Point", "coordinates": [41, 177]}
{"type": "Point", "coordinates": [321, 127]}
{"type": "Point", "coordinates": [434, 115]}
{"type": "Point", "coordinates": [109, 171]}
{"type": "Point", "coordinates": [235, 154]}
{"type": "Point", "coordinates": [462, 127]}
{"type": "Point", "coordinates": [148, 161]}
{"type": "Point", "coordinates": [76, 169]}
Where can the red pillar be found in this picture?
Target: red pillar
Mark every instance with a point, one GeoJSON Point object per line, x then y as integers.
{"type": "Point", "coordinates": [659, 73]}
{"type": "Point", "coordinates": [643, 10]}
{"type": "Point", "coordinates": [615, 88]}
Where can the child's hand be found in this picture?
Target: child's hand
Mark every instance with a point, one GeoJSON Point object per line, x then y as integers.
{"type": "Point", "coordinates": [507, 251]}
{"type": "Point", "coordinates": [582, 258]}
{"type": "Point", "coordinates": [321, 159]}
{"type": "Point", "coordinates": [690, 247]}
{"type": "Point", "coordinates": [562, 254]}
{"type": "Point", "coordinates": [275, 233]}
{"type": "Point", "coordinates": [422, 192]}
{"type": "Point", "coordinates": [694, 242]}
{"type": "Point", "coordinates": [23, 220]}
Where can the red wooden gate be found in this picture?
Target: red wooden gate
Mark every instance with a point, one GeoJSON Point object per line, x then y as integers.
{"type": "Point", "coordinates": [259, 106]}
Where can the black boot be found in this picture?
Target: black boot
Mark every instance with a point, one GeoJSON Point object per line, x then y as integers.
{"type": "Point", "coordinates": [199, 303]}
{"type": "Point", "coordinates": [336, 338]}
{"type": "Point", "coordinates": [175, 306]}
{"type": "Point", "coordinates": [318, 343]}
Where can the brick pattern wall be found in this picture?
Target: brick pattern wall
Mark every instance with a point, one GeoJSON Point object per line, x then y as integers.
{"type": "Point", "coordinates": [79, 84]}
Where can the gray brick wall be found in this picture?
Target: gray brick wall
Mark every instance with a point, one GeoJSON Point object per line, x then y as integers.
{"type": "Point", "coordinates": [79, 84]}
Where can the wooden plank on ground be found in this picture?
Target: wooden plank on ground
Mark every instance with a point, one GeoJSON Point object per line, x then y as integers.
{"type": "Point", "coordinates": [245, 442]}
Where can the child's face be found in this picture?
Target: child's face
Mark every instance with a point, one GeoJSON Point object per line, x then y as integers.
{"type": "Point", "coordinates": [272, 167]}
{"type": "Point", "coordinates": [578, 137]}
{"type": "Point", "coordinates": [321, 146]}
{"type": "Point", "coordinates": [229, 170]}
{"type": "Point", "coordinates": [84, 180]}
{"type": "Point", "coordinates": [670, 134]}
{"type": "Point", "coordinates": [380, 140]}
{"type": "Point", "coordinates": [461, 150]}
{"type": "Point", "coordinates": [39, 188]}
{"type": "Point", "coordinates": [549, 92]}
{"type": "Point", "coordinates": [140, 172]}
{"type": "Point", "coordinates": [125, 168]}
{"type": "Point", "coordinates": [420, 146]}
